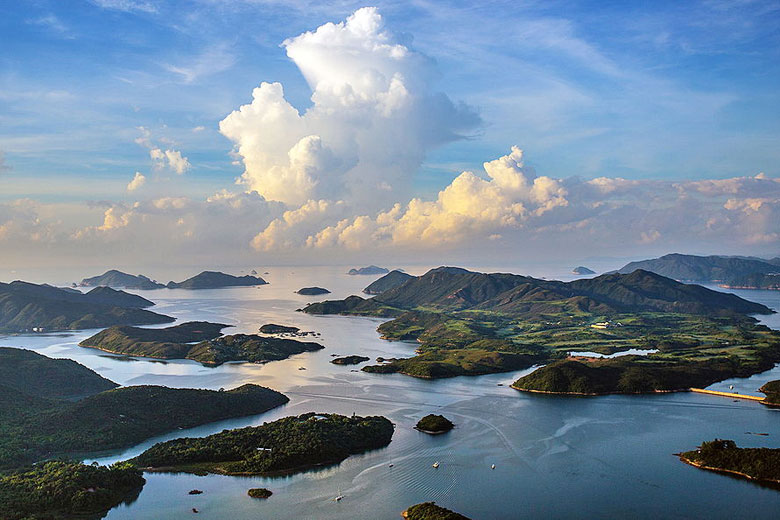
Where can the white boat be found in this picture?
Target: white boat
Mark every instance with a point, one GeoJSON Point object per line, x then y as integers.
{"type": "Point", "coordinates": [493, 466]}
{"type": "Point", "coordinates": [338, 498]}
{"type": "Point", "coordinates": [436, 464]}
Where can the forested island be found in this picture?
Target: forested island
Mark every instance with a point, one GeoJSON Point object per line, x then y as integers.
{"type": "Point", "coordinates": [434, 424]}
{"type": "Point", "coordinates": [430, 511]}
{"type": "Point", "coordinates": [760, 464]}
{"type": "Point", "coordinates": [199, 341]}
{"type": "Point", "coordinates": [26, 307]}
{"type": "Point", "coordinates": [39, 420]}
{"type": "Point", "coordinates": [283, 446]}
{"type": "Point", "coordinates": [772, 391]}
{"type": "Point", "coordinates": [582, 270]}
{"type": "Point", "coordinates": [469, 323]}
{"type": "Point", "coordinates": [766, 281]}
{"type": "Point", "coordinates": [312, 291]}
{"type": "Point", "coordinates": [370, 270]}
{"type": "Point", "coordinates": [349, 360]}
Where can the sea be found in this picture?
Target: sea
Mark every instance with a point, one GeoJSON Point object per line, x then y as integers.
{"type": "Point", "coordinates": [555, 457]}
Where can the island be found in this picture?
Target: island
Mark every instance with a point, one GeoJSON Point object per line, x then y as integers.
{"type": "Point", "coordinates": [723, 456]}
{"type": "Point", "coordinates": [430, 511]}
{"type": "Point", "coordinates": [284, 446]}
{"type": "Point", "coordinates": [772, 391]}
{"type": "Point", "coordinates": [272, 328]}
{"type": "Point", "coordinates": [582, 270]}
{"type": "Point", "coordinates": [198, 341]}
{"type": "Point", "coordinates": [370, 270]}
{"type": "Point", "coordinates": [216, 280]}
{"type": "Point", "coordinates": [114, 278]}
{"type": "Point", "coordinates": [728, 271]}
{"type": "Point", "coordinates": [389, 281]}
{"type": "Point", "coordinates": [766, 281]}
{"type": "Point", "coordinates": [434, 424]}
{"type": "Point", "coordinates": [349, 360]}
{"type": "Point", "coordinates": [59, 490]}
{"type": "Point", "coordinates": [470, 323]}
{"type": "Point", "coordinates": [259, 493]}
{"type": "Point", "coordinates": [28, 307]}
{"type": "Point", "coordinates": [312, 291]}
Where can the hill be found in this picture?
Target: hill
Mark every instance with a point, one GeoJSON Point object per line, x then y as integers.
{"type": "Point", "coordinates": [24, 306]}
{"type": "Point", "coordinates": [760, 464]}
{"type": "Point", "coordinates": [469, 323]}
{"type": "Point", "coordinates": [430, 511]}
{"type": "Point", "coordinates": [198, 341]}
{"type": "Point", "coordinates": [702, 268]}
{"type": "Point", "coordinates": [370, 270]}
{"type": "Point", "coordinates": [114, 278]}
{"type": "Point", "coordinates": [286, 445]}
{"type": "Point", "coordinates": [312, 291]}
{"type": "Point", "coordinates": [389, 281]}
{"type": "Point", "coordinates": [33, 374]}
{"type": "Point", "coordinates": [216, 280]}
{"type": "Point", "coordinates": [767, 281]}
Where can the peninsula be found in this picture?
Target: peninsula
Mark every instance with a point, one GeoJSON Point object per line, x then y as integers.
{"type": "Point", "coordinates": [389, 281]}
{"type": "Point", "coordinates": [198, 341]}
{"type": "Point", "coordinates": [469, 323]}
{"type": "Point", "coordinates": [723, 456]}
{"type": "Point", "coordinates": [287, 445]}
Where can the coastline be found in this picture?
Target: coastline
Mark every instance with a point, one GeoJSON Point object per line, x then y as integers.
{"type": "Point", "coordinates": [724, 470]}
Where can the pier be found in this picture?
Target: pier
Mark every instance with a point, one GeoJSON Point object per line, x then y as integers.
{"type": "Point", "coordinates": [727, 394]}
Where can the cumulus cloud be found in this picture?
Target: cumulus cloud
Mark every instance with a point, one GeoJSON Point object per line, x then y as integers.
{"type": "Point", "coordinates": [509, 202]}
{"type": "Point", "coordinates": [138, 181]}
{"type": "Point", "coordinates": [163, 159]}
{"type": "Point", "coordinates": [373, 118]}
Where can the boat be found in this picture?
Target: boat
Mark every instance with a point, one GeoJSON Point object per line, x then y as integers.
{"type": "Point", "coordinates": [436, 464]}
{"type": "Point", "coordinates": [493, 466]}
{"type": "Point", "coordinates": [338, 498]}
{"type": "Point", "coordinates": [301, 368]}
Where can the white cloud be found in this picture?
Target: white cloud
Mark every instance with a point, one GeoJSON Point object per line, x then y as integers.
{"type": "Point", "coordinates": [373, 119]}
{"type": "Point", "coordinates": [170, 158]}
{"type": "Point", "coordinates": [138, 181]}
{"type": "Point", "coordinates": [213, 60]}
{"type": "Point", "coordinates": [126, 5]}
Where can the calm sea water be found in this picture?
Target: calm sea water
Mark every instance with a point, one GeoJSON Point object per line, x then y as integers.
{"type": "Point", "coordinates": [555, 457]}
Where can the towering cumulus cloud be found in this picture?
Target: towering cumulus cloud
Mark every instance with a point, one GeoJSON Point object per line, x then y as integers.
{"type": "Point", "coordinates": [374, 115]}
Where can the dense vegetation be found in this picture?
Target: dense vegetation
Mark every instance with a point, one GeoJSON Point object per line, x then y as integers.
{"type": "Point", "coordinates": [178, 342]}
{"type": "Point", "coordinates": [33, 374]}
{"type": "Point", "coordinates": [288, 444]}
{"type": "Point", "coordinates": [312, 291]}
{"type": "Point", "coordinates": [704, 268]}
{"type": "Point", "coordinates": [772, 391]}
{"type": "Point", "coordinates": [60, 490]}
{"type": "Point", "coordinates": [272, 328]}
{"type": "Point", "coordinates": [25, 306]}
{"type": "Point", "coordinates": [349, 360]}
{"type": "Point", "coordinates": [114, 278]}
{"type": "Point", "coordinates": [389, 281]}
{"type": "Point", "coordinates": [434, 424]}
{"type": "Point", "coordinates": [724, 455]}
{"type": "Point", "coordinates": [430, 511]}
{"type": "Point", "coordinates": [370, 270]}
{"type": "Point", "coordinates": [44, 428]}
{"type": "Point", "coordinates": [469, 323]}
{"type": "Point", "coordinates": [259, 493]}
{"type": "Point", "coordinates": [216, 280]}
{"type": "Point", "coordinates": [770, 281]}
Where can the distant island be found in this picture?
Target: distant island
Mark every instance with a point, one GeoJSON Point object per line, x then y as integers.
{"type": "Point", "coordinates": [728, 271]}
{"type": "Point", "coordinates": [582, 270]}
{"type": "Point", "coordinates": [349, 360]}
{"type": "Point", "coordinates": [389, 281]}
{"type": "Point", "coordinates": [118, 279]}
{"type": "Point", "coordinates": [259, 493]}
{"type": "Point", "coordinates": [434, 424]}
{"type": "Point", "coordinates": [27, 307]}
{"type": "Point", "coordinates": [371, 269]}
{"type": "Point", "coordinates": [723, 456]}
{"type": "Point", "coordinates": [198, 341]}
{"type": "Point", "coordinates": [216, 280]}
{"type": "Point", "coordinates": [272, 328]}
{"type": "Point", "coordinates": [430, 511]}
{"type": "Point", "coordinates": [469, 323]}
{"type": "Point", "coordinates": [287, 445]}
{"type": "Point", "coordinates": [312, 291]}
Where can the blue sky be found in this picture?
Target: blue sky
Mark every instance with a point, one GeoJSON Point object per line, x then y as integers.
{"type": "Point", "coordinates": [668, 91]}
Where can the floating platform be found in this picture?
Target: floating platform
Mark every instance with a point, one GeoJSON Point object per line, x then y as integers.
{"type": "Point", "coordinates": [727, 394]}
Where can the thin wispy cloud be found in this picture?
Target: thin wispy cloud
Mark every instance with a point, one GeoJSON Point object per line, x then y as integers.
{"type": "Point", "coordinates": [127, 5]}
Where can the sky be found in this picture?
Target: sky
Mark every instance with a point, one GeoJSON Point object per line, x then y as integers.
{"type": "Point", "coordinates": [259, 132]}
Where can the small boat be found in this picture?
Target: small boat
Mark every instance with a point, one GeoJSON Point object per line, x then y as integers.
{"type": "Point", "coordinates": [493, 466]}
{"type": "Point", "coordinates": [338, 498]}
{"type": "Point", "coordinates": [436, 464]}
{"type": "Point", "coordinates": [390, 466]}
{"type": "Point", "coordinates": [194, 510]}
{"type": "Point", "coordinates": [301, 368]}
